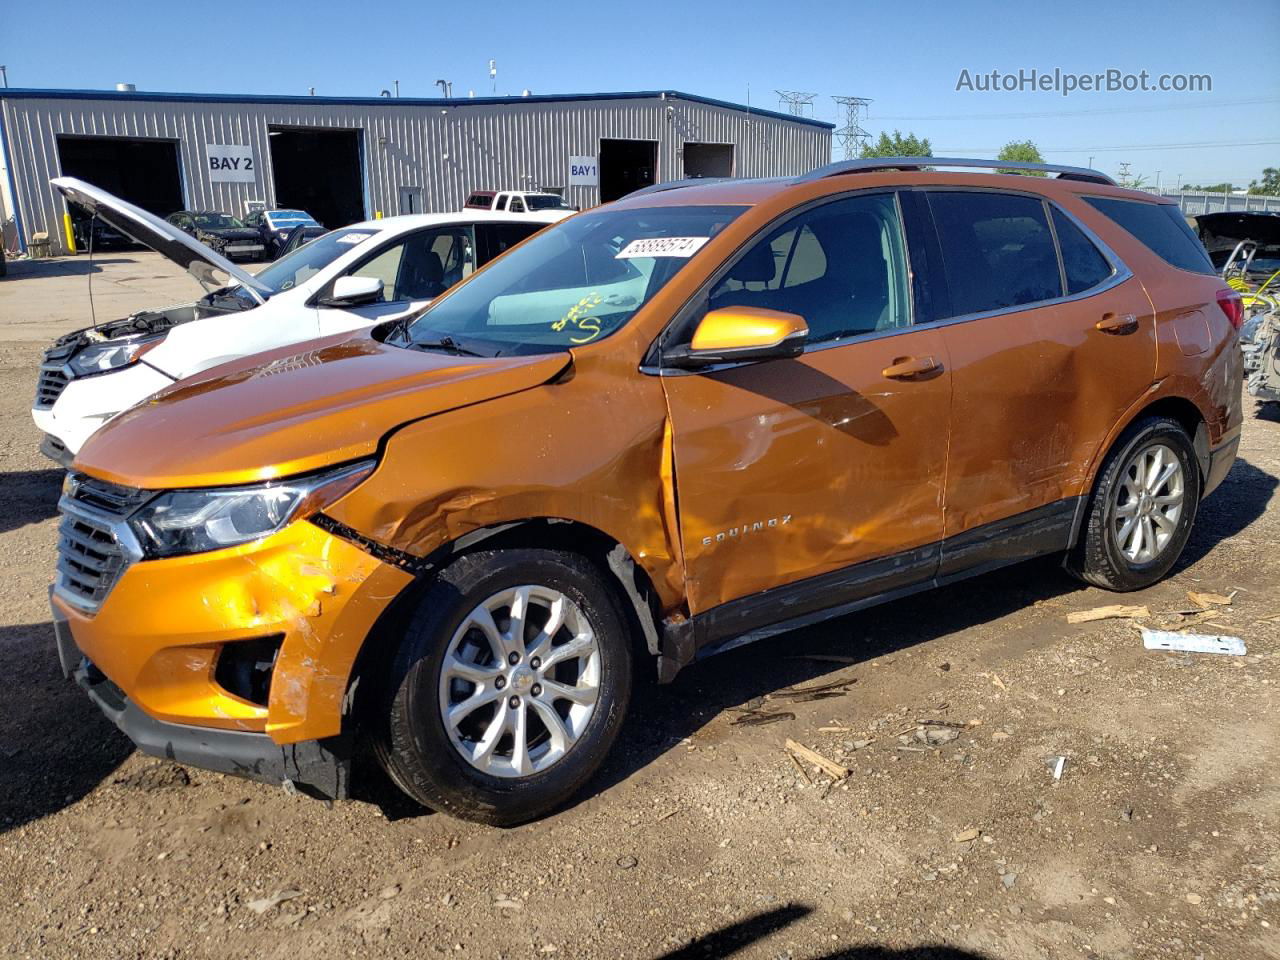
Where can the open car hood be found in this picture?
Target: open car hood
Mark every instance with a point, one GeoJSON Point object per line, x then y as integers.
{"type": "Point", "coordinates": [164, 238]}
{"type": "Point", "coordinates": [1232, 227]}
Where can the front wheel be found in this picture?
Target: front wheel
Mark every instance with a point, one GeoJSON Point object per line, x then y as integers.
{"type": "Point", "coordinates": [1139, 517]}
{"type": "Point", "coordinates": [509, 687]}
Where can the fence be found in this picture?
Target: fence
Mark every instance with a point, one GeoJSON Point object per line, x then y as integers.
{"type": "Point", "coordinates": [1194, 204]}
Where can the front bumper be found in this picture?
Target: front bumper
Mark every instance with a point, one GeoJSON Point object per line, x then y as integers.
{"type": "Point", "coordinates": [158, 633]}
{"type": "Point", "coordinates": [316, 767]}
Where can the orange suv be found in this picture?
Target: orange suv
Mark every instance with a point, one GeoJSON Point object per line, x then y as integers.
{"type": "Point", "coordinates": [707, 413]}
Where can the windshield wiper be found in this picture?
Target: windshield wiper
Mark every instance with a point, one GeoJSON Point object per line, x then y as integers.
{"type": "Point", "coordinates": [447, 344]}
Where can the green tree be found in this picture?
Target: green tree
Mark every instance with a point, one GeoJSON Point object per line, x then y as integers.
{"type": "Point", "coordinates": [1021, 151]}
{"type": "Point", "coordinates": [1270, 183]}
{"type": "Point", "coordinates": [899, 146]}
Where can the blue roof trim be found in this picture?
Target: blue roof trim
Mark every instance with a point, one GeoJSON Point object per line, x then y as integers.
{"type": "Point", "coordinates": [148, 96]}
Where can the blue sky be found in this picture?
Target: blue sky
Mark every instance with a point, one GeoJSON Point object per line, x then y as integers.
{"type": "Point", "coordinates": [906, 57]}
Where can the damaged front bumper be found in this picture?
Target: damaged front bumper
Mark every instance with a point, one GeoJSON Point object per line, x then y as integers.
{"type": "Point", "coordinates": [149, 654]}
{"type": "Point", "coordinates": [320, 768]}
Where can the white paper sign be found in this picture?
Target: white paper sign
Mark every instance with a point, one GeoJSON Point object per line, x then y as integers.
{"type": "Point", "coordinates": [584, 172]}
{"type": "Point", "coordinates": [231, 163]}
{"type": "Point", "coordinates": [662, 247]}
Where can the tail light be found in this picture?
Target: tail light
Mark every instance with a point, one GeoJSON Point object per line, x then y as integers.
{"type": "Point", "coordinates": [1232, 306]}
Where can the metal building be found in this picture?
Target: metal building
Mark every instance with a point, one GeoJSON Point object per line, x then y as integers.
{"type": "Point", "coordinates": [347, 159]}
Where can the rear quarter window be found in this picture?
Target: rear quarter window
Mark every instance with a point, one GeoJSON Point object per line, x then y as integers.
{"type": "Point", "coordinates": [1083, 263]}
{"type": "Point", "coordinates": [1160, 228]}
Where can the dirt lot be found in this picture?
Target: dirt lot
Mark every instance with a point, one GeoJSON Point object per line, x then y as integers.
{"type": "Point", "coordinates": [702, 838]}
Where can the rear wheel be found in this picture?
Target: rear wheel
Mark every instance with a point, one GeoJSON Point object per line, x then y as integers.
{"type": "Point", "coordinates": [1143, 505]}
{"type": "Point", "coordinates": [509, 688]}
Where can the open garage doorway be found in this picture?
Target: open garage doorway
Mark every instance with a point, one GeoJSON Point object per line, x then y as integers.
{"type": "Point", "coordinates": [144, 172]}
{"type": "Point", "coordinates": [708, 159]}
{"type": "Point", "coordinates": [626, 165]}
{"type": "Point", "coordinates": [318, 171]}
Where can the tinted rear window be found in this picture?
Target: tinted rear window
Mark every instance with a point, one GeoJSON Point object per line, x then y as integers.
{"type": "Point", "coordinates": [997, 251]}
{"type": "Point", "coordinates": [1085, 265]}
{"type": "Point", "coordinates": [1161, 229]}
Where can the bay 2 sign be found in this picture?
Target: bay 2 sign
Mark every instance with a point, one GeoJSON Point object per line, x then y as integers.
{"type": "Point", "coordinates": [231, 163]}
{"type": "Point", "coordinates": [584, 172]}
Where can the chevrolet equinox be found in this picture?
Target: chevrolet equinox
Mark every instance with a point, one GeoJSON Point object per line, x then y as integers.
{"type": "Point", "coordinates": [704, 414]}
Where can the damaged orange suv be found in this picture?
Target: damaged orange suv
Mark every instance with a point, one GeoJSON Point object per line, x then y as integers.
{"type": "Point", "coordinates": [707, 413]}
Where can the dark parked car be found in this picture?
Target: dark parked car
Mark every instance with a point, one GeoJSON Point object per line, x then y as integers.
{"type": "Point", "coordinates": [275, 226]}
{"type": "Point", "coordinates": [303, 233]}
{"type": "Point", "coordinates": [93, 234]}
{"type": "Point", "coordinates": [221, 232]}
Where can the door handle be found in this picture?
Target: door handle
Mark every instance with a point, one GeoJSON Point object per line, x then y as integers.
{"type": "Point", "coordinates": [1110, 323]}
{"type": "Point", "coordinates": [909, 368]}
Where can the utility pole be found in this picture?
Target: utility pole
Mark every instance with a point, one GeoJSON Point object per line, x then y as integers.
{"type": "Point", "coordinates": [1124, 173]}
{"type": "Point", "coordinates": [4, 75]}
{"type": "Point", "coordinates": [853, 138]}
{"type": "Point", "coordinates": [1091, 162]}
{"type": "Point", "coordinates": [1157, 181]}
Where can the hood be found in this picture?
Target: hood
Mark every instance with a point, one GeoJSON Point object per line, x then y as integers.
{"type": "Point", "coordinates": [164, 238]}
{"type": "Point", "coordinates": [1230, 227]}
{"type": "Point", "coordinates": [294, 410]}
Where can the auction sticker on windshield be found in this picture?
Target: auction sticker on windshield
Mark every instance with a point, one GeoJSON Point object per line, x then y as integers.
{"type": "Point", "coordinates": [353, 237]}
{"type": "Point", "coordinates": [662, 247]}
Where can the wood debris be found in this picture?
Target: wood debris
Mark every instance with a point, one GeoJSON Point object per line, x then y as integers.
{"type": "Point", "coordinates": [829, 767]}
{"type": "Point", "coordinates": [967, 836]}
{"type": "Point", "coordinates": [758, 718]}
{"type": "Point", "coordinates": [1113, 611]}
{"type": "Point", "coordinates": [826, 658]}
{"type": "Point", "coordinates": [1206, 600]}
{"type": "Point", "coordinates": [821, 691]}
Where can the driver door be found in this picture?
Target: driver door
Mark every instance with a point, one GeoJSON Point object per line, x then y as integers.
{"type": "Point", "coordinates": [805, 483]}
{"type": "Point", "coordinates": [414, 270]}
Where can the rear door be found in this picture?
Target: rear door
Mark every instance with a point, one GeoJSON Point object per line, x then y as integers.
{"type": "Point", "coordinates": [827, 468]}
{"type": "Point", "coordinates": [1050, 341]}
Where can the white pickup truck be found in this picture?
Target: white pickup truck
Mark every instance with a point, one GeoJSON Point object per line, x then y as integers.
{"type": "Point", "coordinates": [517, 201]}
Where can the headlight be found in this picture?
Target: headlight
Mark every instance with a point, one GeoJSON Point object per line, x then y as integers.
{"type": "Point", "coordinates": [193, 521]}
{"type": "Point", "coordinates": [102, 357]}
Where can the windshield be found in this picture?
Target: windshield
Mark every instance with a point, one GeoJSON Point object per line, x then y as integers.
{"type": "Point", "coordinates": [305, 262]}
{"type": "Point", "coordinates": [215, 221]}
{"type": "Point", "coordinates": [571, 284]}
{"type": "Point", "coordinates": [288, 218]}
{"type": "Point", "coordinates": [546, 202]}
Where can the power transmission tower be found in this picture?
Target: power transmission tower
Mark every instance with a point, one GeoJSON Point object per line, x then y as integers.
{"type": "Point", "coordinates": [853, 138]}
{"type": "Point", "coordinates": [796, 102]}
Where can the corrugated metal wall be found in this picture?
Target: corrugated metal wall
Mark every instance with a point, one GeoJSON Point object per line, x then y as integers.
{"type": "Point", "coordinates": [446, 149]}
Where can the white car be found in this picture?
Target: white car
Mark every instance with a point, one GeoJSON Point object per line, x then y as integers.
{"type": "Point", "coordinates": [349, 278]}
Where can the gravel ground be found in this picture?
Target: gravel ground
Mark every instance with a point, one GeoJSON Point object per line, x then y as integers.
{"type": "Point", "coordinates": [1161, 838]}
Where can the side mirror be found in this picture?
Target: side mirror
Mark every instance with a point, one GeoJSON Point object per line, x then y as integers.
{"type": "Point", "coordinates": [353, 292]}
{"type": "Point", "coordinates": [741, 334]}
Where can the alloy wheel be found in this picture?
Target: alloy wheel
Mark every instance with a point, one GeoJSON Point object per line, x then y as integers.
{"type": "Point", "coordinates": [1149, 502]}
{"type": "Point", "coordinates": [520, 681]}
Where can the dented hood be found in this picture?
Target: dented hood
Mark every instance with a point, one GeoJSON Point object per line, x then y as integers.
{"type": "Point", "coordinates": [162, 237]}
{"type": "Point", "coordinates": [295, 410]}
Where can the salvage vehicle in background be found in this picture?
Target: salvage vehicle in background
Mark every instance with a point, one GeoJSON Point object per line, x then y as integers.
{"type": "Point", "coordinates": [348, 278]}
{"type": "Point", "coordinates": [699, 416]}
{"type": "Point", "coordinates": [220, 232]}
{"type": "Point", "coordinates": [518, 201]}
{"type": "Point", "coordinates": [300, 235]}
{"type": "Point", "coordinates": [274, 227]}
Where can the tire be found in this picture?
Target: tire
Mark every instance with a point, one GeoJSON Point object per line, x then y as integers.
{"type": "Point", "coordinates": [1139, 558]}
{"type": "Point", "coordinates": [464, 769]}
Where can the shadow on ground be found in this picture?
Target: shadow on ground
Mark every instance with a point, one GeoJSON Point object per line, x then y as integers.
{"type": "Point", "coordinates": [731, 939]}
{"type": "Point", "coordinates": [55, 745]}
{"type": "Point", "coordinates": [61, 267]}
{"type": "Point", "coordinates": [29, 496]}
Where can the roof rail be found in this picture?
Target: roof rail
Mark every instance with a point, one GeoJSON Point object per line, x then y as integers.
{"type": "Point", "coordinates": [869, 164]}
{"type": "Point", "coordinates": [675, 185]}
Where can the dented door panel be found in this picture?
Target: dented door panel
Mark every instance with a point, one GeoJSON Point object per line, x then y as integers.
{"type": "Point", "coordinates": [794, 468]}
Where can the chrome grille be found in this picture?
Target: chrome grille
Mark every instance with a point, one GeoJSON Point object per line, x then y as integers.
{"type": "Point", "coordinates": [95, 544]}
{"type": "Point", "coordinates": [53, 380]}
